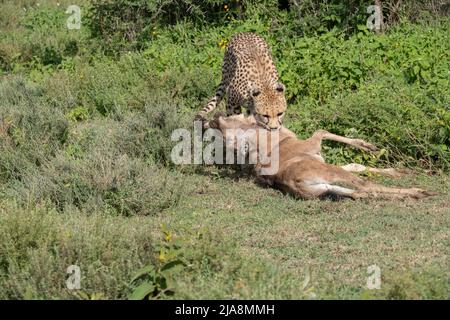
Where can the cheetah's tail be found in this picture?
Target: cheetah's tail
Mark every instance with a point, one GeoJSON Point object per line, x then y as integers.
{"type": "Point", "coordinates": [212, 103]}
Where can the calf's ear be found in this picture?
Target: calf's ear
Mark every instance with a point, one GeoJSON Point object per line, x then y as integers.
{"type": "Point", "coordinates": [218, 115]}
{"type": "Point", "coordinates": [222, 122]}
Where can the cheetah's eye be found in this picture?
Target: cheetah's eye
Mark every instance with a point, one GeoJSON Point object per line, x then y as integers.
{"type": "Point", "coordinates": [279, 87]}
{"type": "Point", "coordinates": [280, 114]}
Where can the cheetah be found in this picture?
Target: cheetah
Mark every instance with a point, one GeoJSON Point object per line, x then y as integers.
{"type": "Point", "coordinates": [250, 79]}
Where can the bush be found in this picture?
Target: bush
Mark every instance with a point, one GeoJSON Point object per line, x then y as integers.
{"type": "Point", "coordinates": [95, 165]}
{"type": "Point", "coordinates": [37, 35]}
{"type": "Point", "coordinates": [37, 245]}
{"type": "Point", "coordinates": [387, 88]}
{"type": "Point", "coordinates": [127, 25]}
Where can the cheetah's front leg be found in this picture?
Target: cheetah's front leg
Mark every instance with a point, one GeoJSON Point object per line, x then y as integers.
{"type": "Point", "coordinates": [233, 106]}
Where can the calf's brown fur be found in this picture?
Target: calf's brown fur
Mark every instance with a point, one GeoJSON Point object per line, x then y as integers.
{"type": "Point", "coordinates": [302, 171]}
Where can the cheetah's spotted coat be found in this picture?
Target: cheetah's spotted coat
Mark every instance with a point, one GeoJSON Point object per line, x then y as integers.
{"type": "Point", "coordinates": [249, 78]}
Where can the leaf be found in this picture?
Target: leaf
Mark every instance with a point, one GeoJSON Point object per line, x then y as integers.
{"type": "Point", "coordinates": [143, 271]}
{"type": "Point", "coordinates": [142, 291]}
{"type": "Point", "coordinates": [381, 153]}
{"type": "Point", "coordinates": [425, 65]}
{"type": "Point", "coordinates": [171, 265]}
{"type": "Point", "coordinates": [361, 27]}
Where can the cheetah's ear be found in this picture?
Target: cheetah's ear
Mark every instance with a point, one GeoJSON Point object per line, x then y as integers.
{"type": "Point", "coordinates": [279, 87]}
{"type": "Point", "coordinates": [255, 91]}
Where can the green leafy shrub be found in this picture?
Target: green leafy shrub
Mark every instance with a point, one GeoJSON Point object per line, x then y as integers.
{"type": "Point", "coordinates": [101, 164]}
{"type": "Point", "coordinates": [37, 245]}
{"type": "Point", "coordinates": [37, 35]}
{"type": "Point", "coordinates": [410, 286]}
{"type": "Point", "coordinates": [388, 93]}
{"type": "Point", "coordinates": [123, 24]}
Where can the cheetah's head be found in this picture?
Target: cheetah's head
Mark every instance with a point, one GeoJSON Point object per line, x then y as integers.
{"type": "Point", "coordinates": [269, 105]}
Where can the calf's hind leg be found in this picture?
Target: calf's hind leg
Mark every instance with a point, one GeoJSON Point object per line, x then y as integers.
{"type": "Point", "coordinates": [356, 167]}
{"type": "Point", "coordinates": [333, 180]}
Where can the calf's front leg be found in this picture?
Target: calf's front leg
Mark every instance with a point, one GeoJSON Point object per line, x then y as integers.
{"type": "Point", "coordinates": [357, 143]}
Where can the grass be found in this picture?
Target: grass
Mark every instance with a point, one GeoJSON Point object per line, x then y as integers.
{"type": "Point", "coordinates": [336, 240]}
{"type": "Point", "coordinates": [242, 241]}
{"type": "Point", "coordinates": [86, 176]}
{"type": "Point", "coordinates": [38, 245]}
